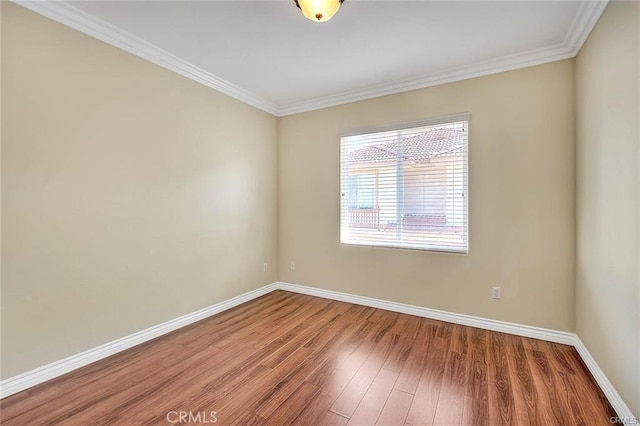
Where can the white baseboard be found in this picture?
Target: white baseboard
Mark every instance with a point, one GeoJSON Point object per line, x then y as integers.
{"type": "Point", "coordinates": [47, 372]}
{"type": "Point", "coordinates": [39, 375]}
{"type": "Point", "coordinates": [618, 404]}
{"type": "Point", "coordinates": [478, 322]}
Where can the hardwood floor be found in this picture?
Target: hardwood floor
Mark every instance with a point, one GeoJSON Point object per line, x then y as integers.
{"type": "Point", "coordinates": [293, 359]}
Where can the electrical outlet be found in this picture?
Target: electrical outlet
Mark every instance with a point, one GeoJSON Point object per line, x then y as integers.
{"type": "Point", "coordinates": [495, 292]}
{"type": "Point", "coordinates": [265, 267]}
{"type": "Point", "coordinates": [292, 265]}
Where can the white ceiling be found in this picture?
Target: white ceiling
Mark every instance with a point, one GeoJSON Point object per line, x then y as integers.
{"type": "Point", "coordinates": [267, 54]}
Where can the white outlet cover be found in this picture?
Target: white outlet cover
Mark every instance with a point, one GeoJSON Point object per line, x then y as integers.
{"type": "Point", "coordinates": [496, 292]}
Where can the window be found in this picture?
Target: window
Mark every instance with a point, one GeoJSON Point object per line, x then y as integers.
{"type": "Point", "coordinates": [362, 190]}
{"type": "Point", "coordinates": [406, 187]}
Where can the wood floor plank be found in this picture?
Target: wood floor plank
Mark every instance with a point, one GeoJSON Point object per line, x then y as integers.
{"type": "Point", "coordinates": [460, 339]}
{"type": "Point", "coordinates": [248, 418]}
{"type": "Point", "coordinates": [412, 369]}
{"type": "Point", "coordinates": [332, 327]}
{"type": "Point", "coordinates": [584, 383]}
{"type": "Point", "coordinates": [476, 412]}
{"type": "Point", "coordinates": [235, 326]}
{"type": "Point", "coordinates": [232, 374]}
{"type": "Point", "coordinates": [450, 406]}
{"type": "Point", "coordinates": [585, 406]}
{"type": "Point", "coordinates": [373, 401]}
{"type": "Point", "coordinates": [425, 401]}
{"type": "Point", "coordinates": [525, 396]}
{"type": "Point", "coordinates": [197, 380]}
{"type": "Point", "coordinates": [406, 339]}
{"type": "Point", "coordinates": [286, 387]}
{"type": "Point", "coordinates": [330, 419]}
{"type": "Point", "coordinates": [316, 410]}
{"type": "Point", "coordinates": [287, 412]}
{"type": "Point", "coordinates": [352, 354]}
{"type": "Point", "coordinates": [29, 399]}
{"type": "Point", "coordinates": [288, 358]}
{"type": "Point", "coordinates": [351, 396]}
{"type": "Point", "coordinates": [291, 314]}
{"type": "Point", "coordinates": [254, 390]}
{"type": "Point", "coordinates": [333, 377]}
{"type": "Point", "coordinates": [292, 340]}
{"type": "Point", "coordinates": [191, 380]}
{"type": "Point", "coordinates": [335, 380]}
{"type": "Point", "coordinates": [514, 346]}
{"type": "Point", "coordinates": [476, 384]}
{"type": "Point", "coordinates": [80, 404]}
{"type": "Point", "coordinates": [222, 377]}
{"type": "Point", "coordinates": [395, 409]}
{"type": "Point", "coordinates": [501, 404]}
{"type": "Point", "coordinates": [554, 406]}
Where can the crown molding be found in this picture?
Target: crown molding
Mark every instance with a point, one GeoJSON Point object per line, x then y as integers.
{"type": "Point", "coordinates": [586, 17]}
{"type": "Point", "coordinates": [66, 14]}
{"type": "Point", "coordinates": [507, 63]}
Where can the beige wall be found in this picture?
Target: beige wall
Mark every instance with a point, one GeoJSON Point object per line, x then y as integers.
{"type": "Point", "coordinates": [522, 221]}
{"type": "Point", "coordinates": [130, 195]}
{"type": "Point", "coordinates": [608, 197]}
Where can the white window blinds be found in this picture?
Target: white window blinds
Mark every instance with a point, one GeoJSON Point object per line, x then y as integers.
{"type": "Point", "coordinates": [406, 188]}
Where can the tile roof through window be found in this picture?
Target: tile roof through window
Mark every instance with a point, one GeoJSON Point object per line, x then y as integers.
{"type": "Point", "coordinates": [420, 148]}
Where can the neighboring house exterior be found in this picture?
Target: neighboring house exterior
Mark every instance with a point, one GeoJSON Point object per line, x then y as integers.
{"type": "Point", "coordinates": [430, 196]}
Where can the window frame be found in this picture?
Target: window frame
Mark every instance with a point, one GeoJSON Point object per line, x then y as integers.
{"type": "Point", "coordinates": [442, 120]}
{"type": "Point", "coordinates": [365, 172]}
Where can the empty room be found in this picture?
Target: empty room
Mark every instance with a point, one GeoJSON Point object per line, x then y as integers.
{"type": "Point", "coordinates": [320, 212]}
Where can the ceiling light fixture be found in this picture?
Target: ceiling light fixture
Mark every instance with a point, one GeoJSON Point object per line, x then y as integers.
{"type": "Point", "coordinates": [319, 10]}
